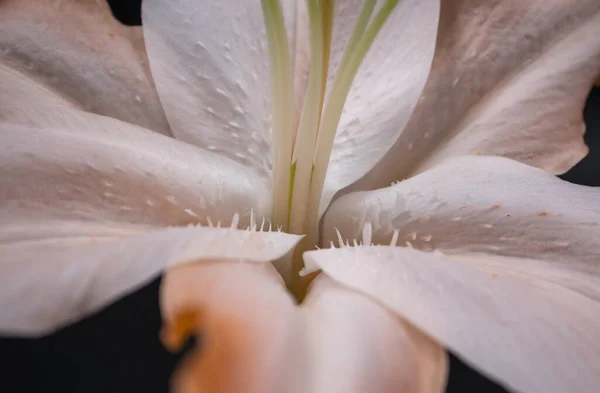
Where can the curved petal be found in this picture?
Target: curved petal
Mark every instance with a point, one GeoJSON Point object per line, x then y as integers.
{"type": "Point", "coordinates": [64, 181]}
{"type": "Point", "coordinates": [51, 282]}
{"type": "Point", "coordinates": [567, 274]}
{"type": "Point", "coordinates": [350, 335]}
{"type": "Point", "coordinates": [73, 53]}
{"type": "Point", "coordinates": [508, 79]}
{"type": "Point", "coordinates": [67, 197]}
{"type": "Point", "coordinates": [480, 205]}
{"type": "Point", "coordinates": [249, 324]}
{"type": "Point", "coordinates": [210, 63]}
{"type": "Point", "coordinates": [386, 88]}
{"type": "Point", "coordinates": [252, 340]}
{"type": "Point", "coordinates": [534, 336]}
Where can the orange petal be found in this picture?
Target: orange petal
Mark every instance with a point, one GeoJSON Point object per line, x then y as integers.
{"type": "Point", "coordinates": [247, 321]}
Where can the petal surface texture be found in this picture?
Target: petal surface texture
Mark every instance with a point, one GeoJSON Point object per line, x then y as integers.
{"type": "Point", "coordinates": [48, 284]}
{"type": "Point", "coordinates": [211, 66]}
{"type": "Point", "coordinates": [69, 199]}
{"type": "Point", "coordinates": [531, 335]}
{"type": "Point", "coordinates": [251, 331]}
{"type": "Point", "coordinates": [74, 53]}
{"type": "Point", "coordinates": [472, 204]}
{"type": "Point", "coordinates": [386, 88]}
{"type": "Point", "coordinates": [352, 336]}
{"type": "Point", "coordinates": [509, 79]}
{"type": "Point", "coordinates": [117, 172]}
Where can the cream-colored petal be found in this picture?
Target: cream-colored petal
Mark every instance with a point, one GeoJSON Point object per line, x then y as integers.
{"type": "Point", "coordinates": [47, 283]}
{"type": "Point", "coordinates": [211, 65]}
{"type": "Point", "coordinates": [509, 78]}
{"type": "Point", "coordinates": [386, 88]}
{"type": "Point", "coordinates": [532, 335]}
{"type": "Point", "coordinates": [62, 180]}
{"type": "Point", "coordinates": [480, 205]}
{"type": "Point", "coordinates": [73, 53]}
{"type": "Point", "coordinates": [251, 332]}
{"type": "Point", "coordinates": [63, 190]}
{"type": "Point", "coordinates": [356, 346]}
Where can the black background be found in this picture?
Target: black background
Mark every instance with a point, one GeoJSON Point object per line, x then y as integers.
{"type": "Point", "coordinates": [117, 350]}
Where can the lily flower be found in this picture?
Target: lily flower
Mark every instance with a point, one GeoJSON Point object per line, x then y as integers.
{"type": "Point", "coordinates": [230, 138]}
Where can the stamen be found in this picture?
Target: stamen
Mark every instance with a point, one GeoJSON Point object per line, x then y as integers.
{"type": "Point", "coordinates": [304, 149]}
{"type": "Point", "coordinates": [361, 25]}
{"type": "Point", "coordinates": [328, 8]}
{"type": "Point", "coordinates": [301, 156]}
{"type": "Point", "coordinates": [338, 94]}
{"type": "Point", "coordinates": [282, 95]}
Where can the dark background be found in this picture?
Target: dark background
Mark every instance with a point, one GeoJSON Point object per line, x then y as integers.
{"type": "Point", "coordinates": [117, 350]}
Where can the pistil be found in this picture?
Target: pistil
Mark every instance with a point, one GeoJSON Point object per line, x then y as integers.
{"type": "Point", "coordinates": [306, 137]}
{"type": "Point", "coordinates": [301, 162]}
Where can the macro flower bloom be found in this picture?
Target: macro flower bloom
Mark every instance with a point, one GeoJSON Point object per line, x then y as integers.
{"type": "Point", "coordinates": [181, 147]}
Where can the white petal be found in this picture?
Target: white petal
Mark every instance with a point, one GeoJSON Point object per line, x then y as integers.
{"type": "Point", "coordinates": [355, 346]}
{"type": "Point", "coordinates": [46, 283]}
{"type": "Point", "coordinates": [534, 336]}
{"type": "Point", "coordinates": [479, 205]}
{"type": "Point", "coordinates": [56, 182]}
{"type": "Point", "coordinates": [73, 53]}
{"type": "Point", "coordinates": [210, 63]}
{"type": "Point", "coordinates": [566, 274]}
{"type": "Point", "coordinates": [250, 330]}
{"type": "Point", "coordinates": [386, 88]}
{"type": "Point", "coordinates": [508, 79]}
{"type": "Point", "coordinates": [63, 190]}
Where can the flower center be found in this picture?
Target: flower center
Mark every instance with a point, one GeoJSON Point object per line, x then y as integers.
{"type": "Point", "coordinates": [302, 152]}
